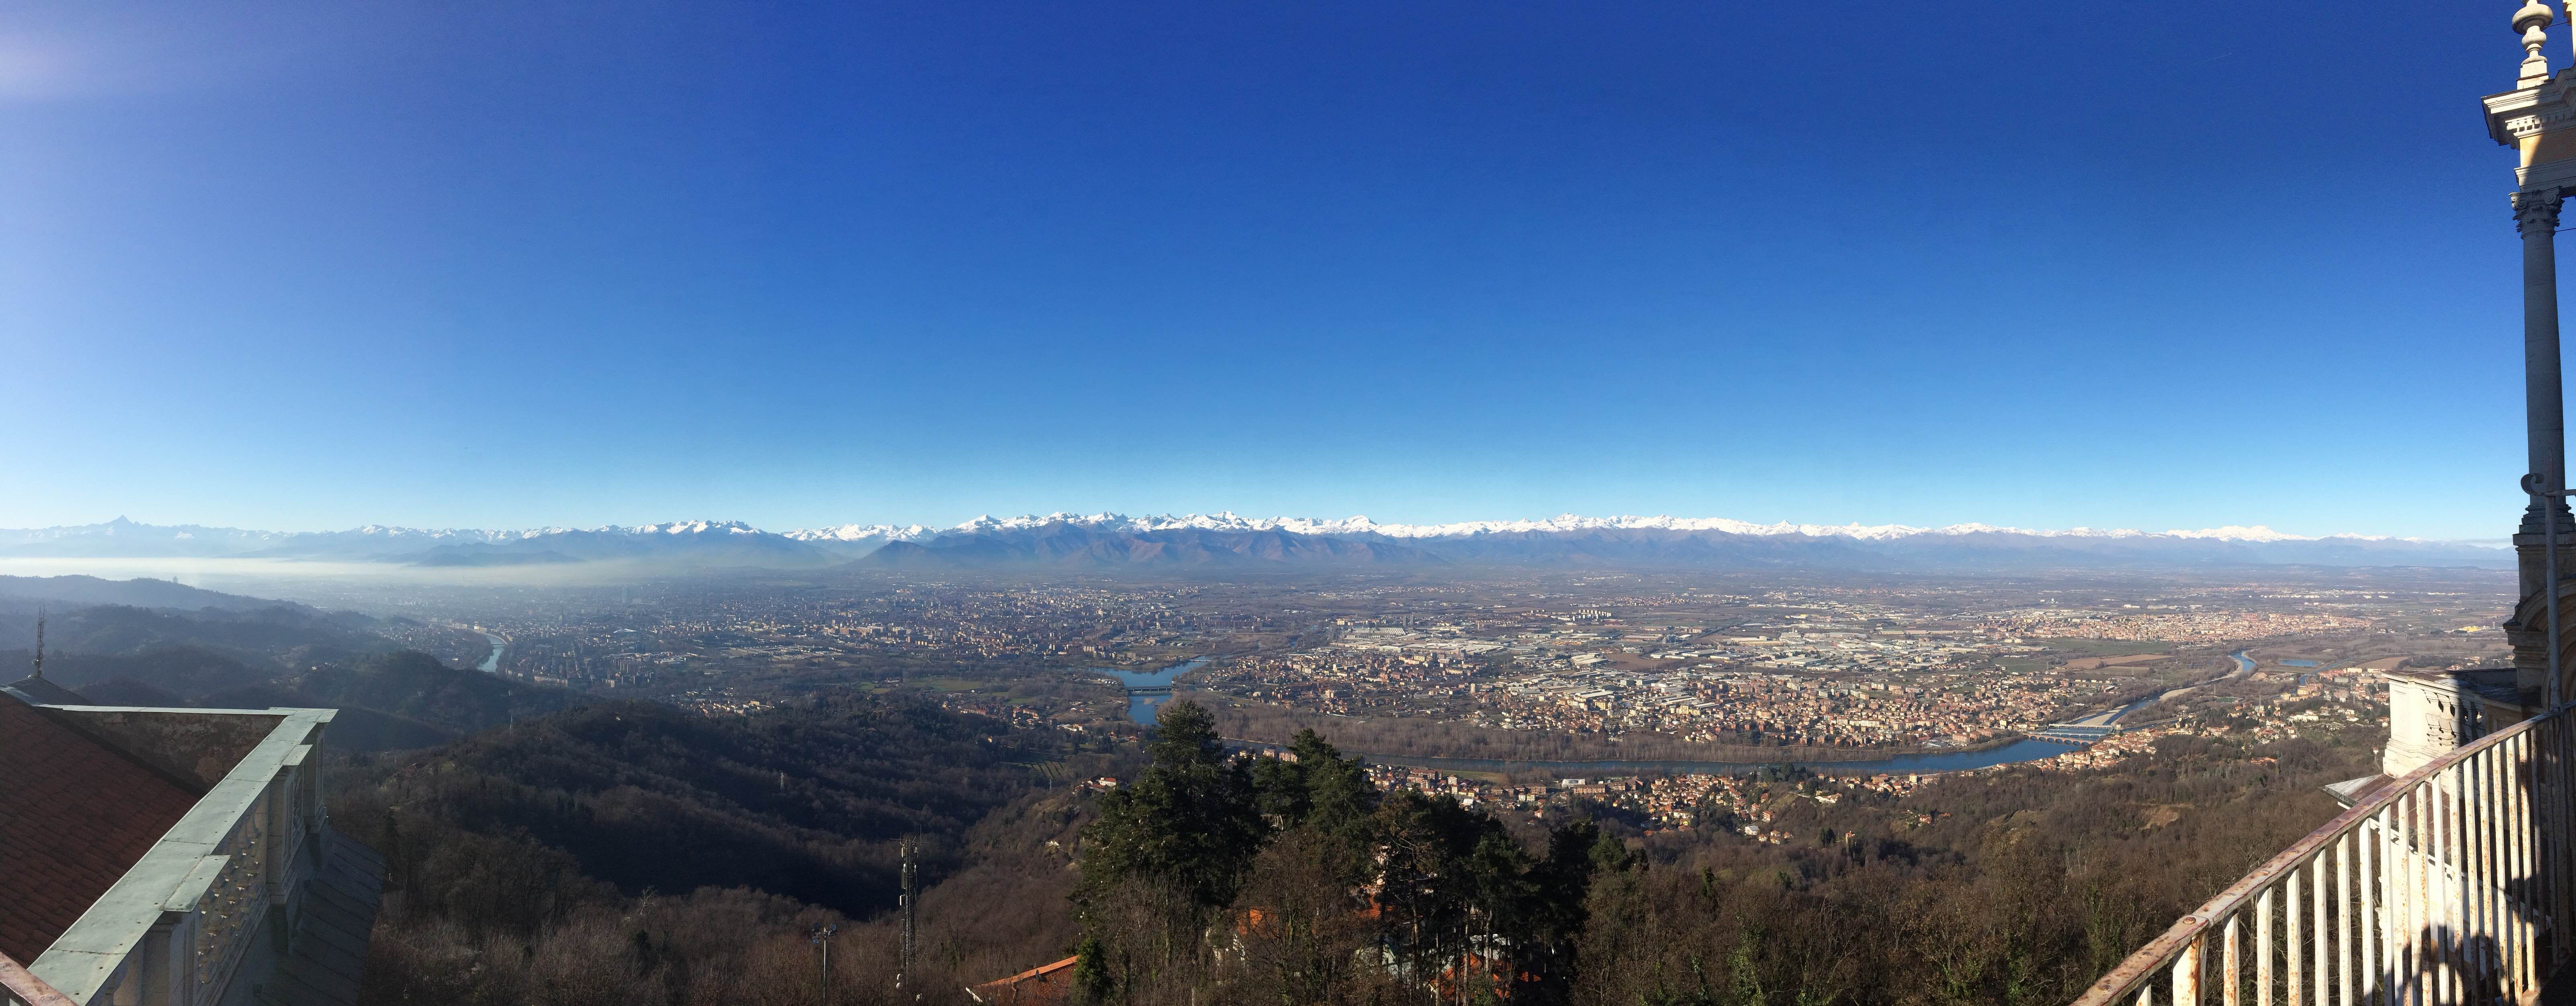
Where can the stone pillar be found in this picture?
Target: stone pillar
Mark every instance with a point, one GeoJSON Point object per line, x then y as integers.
{"type": "Point", "coordinates": [2535, 214]}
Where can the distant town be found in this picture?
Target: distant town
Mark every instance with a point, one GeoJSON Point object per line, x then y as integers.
{"type": "Point", "coordinates": [1584, 666]}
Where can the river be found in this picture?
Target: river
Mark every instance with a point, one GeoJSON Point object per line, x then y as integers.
{"type": "Point", "coordinates": [492, 664]}
{"type": "Point", "coordinates": [1143, 707]}
{"type": "Point", "coordinates": [2026, 749]}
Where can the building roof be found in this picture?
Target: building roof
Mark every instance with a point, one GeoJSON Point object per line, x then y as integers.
{"type": "Point", "coordinates": [1044, 985]}
{"type": "Point", "coordinates": [16, 981]}
{"type": "Point", "coordinates": [2495, 683]}
{"type": "Point", "coordinates": [46, 692]}
{"type": "Point", "coordinates": [2353, 791]}
{"type": "Point", "coordinates": [65, 846]}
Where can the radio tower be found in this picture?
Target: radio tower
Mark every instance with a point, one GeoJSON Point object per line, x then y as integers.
{"type": "Point", "coordinates": [911, 900]}
{"type": "Point", "coordinates": [39, 672]}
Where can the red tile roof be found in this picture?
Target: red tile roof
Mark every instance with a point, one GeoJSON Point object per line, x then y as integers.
{"type": "Point", "coordinates": [29, 989]}
{"type": "Point", "coordinates": [75, 814]}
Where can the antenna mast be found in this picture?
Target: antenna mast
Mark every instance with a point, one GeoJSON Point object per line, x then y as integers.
{"type": "Point", "coordinates": [40, 645]}
{"type": "Point", "coordinates": [823, 938]}
{"type": "Point", "coordinates": [911, 900]}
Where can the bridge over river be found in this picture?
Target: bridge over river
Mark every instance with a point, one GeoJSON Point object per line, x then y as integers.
{"type": "Point", "coordinates": [2088, 729]}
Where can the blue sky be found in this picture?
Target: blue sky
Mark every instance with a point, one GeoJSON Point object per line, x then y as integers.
{"type": "Point", "coordinates": [511, 264]}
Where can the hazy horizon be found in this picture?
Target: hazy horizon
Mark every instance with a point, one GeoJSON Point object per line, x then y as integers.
{"type": "Point", "coordinates": [2245, 531]}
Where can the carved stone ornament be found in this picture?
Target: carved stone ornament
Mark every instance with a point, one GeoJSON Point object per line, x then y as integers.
{"type": "Point", "coordinates": [2537, 209]}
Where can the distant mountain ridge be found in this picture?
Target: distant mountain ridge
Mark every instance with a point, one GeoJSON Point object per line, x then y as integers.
{"type": "Point", "coordinates": [1108, 540]}
{"type": "Point", "coordinates": [1066, 544]}
{"type": "Point", "coordinates": [69, 591]}
{"type": "Point", "coordinates": [695, 543]}
{"type": "Point", "coordinates": [1664, 541]}
{"type": "Point", "coordinates": [1361, 525]}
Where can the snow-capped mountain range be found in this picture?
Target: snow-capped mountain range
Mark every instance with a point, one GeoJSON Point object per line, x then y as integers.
{"type": "Point", "coordinates": [1352, 526]}
{"type": "Point", "coordinates": [1108, 539]}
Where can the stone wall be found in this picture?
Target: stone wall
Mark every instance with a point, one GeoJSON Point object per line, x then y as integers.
{"type": "Point", "coordinates": [198, 747]}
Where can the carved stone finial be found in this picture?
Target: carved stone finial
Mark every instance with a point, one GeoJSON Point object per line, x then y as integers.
{"type": "Point", "coordinates": [2536, 210]}
{"type": "Point", "coordinates": [2533, 22]}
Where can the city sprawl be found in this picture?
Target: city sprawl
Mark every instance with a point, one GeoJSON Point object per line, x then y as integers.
{"type": "Point", "coordinates": [1557, 667]}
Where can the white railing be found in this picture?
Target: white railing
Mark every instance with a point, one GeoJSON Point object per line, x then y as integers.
{"type": "Point", "coordinates": [2449, 887]}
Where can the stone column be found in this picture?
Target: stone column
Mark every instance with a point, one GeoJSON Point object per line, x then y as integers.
{"type": "Point", "coordinates": [2535, 214]}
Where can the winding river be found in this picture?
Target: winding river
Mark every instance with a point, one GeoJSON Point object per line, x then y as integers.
{"type": "Point", "coordinates": [2026, 749]}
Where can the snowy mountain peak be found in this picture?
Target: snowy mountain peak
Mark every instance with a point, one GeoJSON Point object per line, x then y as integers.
{"type": "Point", "coordinates": [690, 527]}
{"type": "Point", "coordinates": [2234, 532]}
{"type": "Point", "coordinates": [1363, 525]}
{"type": "Point", "coordinates": [856, 533]}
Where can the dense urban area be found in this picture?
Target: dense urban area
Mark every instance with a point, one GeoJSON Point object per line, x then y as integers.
{"type": "Point", "coordinates": [1741, 732]}
{"type": "Point", "coordinates": [1866, 666]}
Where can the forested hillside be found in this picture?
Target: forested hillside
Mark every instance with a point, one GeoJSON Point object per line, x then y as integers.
{"type": "Point", "coordinates": [415, 686]}
{"type": "Point", "coordinates": [386, 700]}
{"type": "Point", "coordinates": [547, 851]}
{"type": "Point", "coordinates": [2013, 886]}
{"type": "Point", "coordinates": [279, 636]}
{"type": "Point", "coordinates": [733, 831]}
{"type": "Point", "coordinates": [632, 853]}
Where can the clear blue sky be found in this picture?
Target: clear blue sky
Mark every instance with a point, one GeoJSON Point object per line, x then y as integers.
{"type": "Point", "coordinates": [511, 264]}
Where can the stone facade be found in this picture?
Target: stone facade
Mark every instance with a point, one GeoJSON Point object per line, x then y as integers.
{"type": "Point", "coordinates": [2431, 712]}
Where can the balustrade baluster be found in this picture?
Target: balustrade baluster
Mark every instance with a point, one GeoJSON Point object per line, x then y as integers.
{"type": "Point", "coordinates": [2527, 860]}
{"type": "Point", "coordinates": [2420, 899]}
{"type": "Point", "coordinates": [2263, 947]}
{"type": "Point", "coordinates": [2374, 878]}
{"type": "Point", "coordinates": [2472, 895]}
{"type": "Point", "coordinates": [2455, 918]}
{"type": "Point", "coordinates": [2343, 917]}
{"type": "Point", "coordinates": [2292, 949]}
{"type": "Point", "coordinates": [2317, 885]}
{"type": "Point", "coordinates": [2499, 918]}
{"type": "Point", "coordinates": [2527, 774]}
{"type": "Point", "coordinates": [2504, 778]}
{"type": "Point", "coordinates": [2499, 908]}
{"type": "Point", "coordinates": [2230, 964]}
{"type": "Point", "coordinates": [2437, 879]}
{"type": "Point", "coordinates": [2186, 972]}
{"type": "Point", "coordinates": [2549, 870]}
